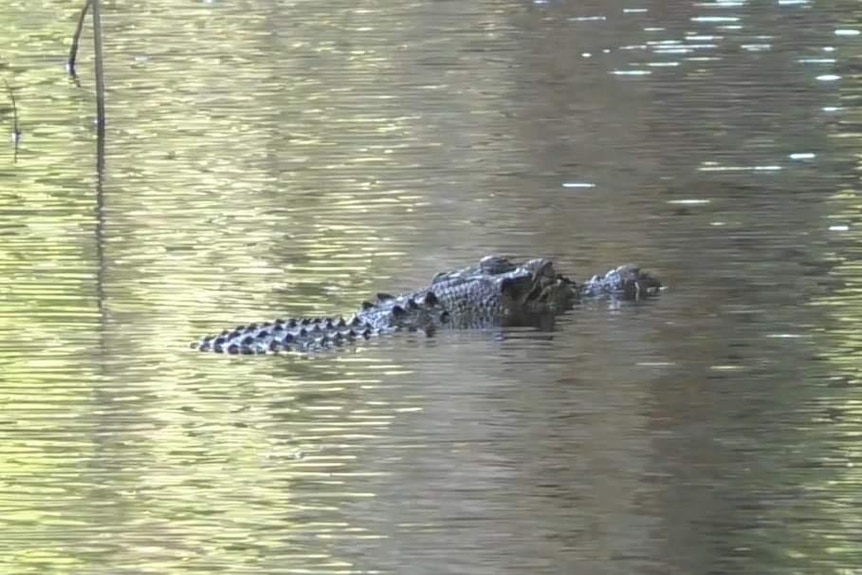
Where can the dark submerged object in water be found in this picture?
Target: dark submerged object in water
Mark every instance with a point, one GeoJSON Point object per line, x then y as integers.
{"type": "Point", "coordinates": [494, 292]}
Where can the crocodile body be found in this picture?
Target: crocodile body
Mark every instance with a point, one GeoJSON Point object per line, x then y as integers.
{"type": "Point", "coordinates": [494, 292]}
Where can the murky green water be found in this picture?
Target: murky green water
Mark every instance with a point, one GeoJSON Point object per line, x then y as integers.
{"type": "Point", "coordinates": [284, 158]}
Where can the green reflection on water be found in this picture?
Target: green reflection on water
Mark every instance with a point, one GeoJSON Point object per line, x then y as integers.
{"type": "Point", "coordinates": [122, 452]}
{"type": "Point", "coordinates": [834, 425]}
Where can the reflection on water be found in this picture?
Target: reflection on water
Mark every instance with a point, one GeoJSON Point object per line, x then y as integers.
{"type": "Point", "coordinates": [287, 158]}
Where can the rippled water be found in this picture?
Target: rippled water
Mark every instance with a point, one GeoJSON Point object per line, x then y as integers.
{"type": "Point", "coordinates": [287, 158]}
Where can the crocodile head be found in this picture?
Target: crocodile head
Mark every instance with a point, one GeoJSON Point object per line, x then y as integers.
{"type": "Point", "coordinates": [536, 287]}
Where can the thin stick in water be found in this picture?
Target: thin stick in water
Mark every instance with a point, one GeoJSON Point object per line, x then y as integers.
{"type": "Point", "coordinates": [73, 51]}
{"type": "Point", "coordinates": [16, 128]}
{"type": "Point", "coordinates": [100, 74]}
{"type": "Point", "coordinates": [16, 132]}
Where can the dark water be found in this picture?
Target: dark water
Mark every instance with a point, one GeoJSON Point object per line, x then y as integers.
{"type": "Point", "coordinates": [293, 157]}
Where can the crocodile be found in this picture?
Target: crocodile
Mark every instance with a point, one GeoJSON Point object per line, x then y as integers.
{"type": "Point", "coordinates": [496, 291]}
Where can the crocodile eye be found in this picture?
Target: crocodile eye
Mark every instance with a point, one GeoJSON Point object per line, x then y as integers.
{"type": "Point", "coordinates": [431, 299]}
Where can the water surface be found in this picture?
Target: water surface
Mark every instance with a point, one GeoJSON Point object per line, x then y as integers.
{"type": "Point", "coordinates": [289, 158]}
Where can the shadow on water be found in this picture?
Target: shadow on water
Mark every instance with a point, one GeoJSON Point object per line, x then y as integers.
{"type": "Point", "coordinates": [279, 158]}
